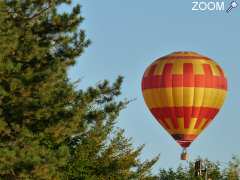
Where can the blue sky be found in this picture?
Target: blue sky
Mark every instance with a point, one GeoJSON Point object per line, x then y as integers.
{"type": "Point", "coordinates": [128, 35]}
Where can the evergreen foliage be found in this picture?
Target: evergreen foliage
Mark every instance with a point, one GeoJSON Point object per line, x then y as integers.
{"type": "Point", "coordinates": [48, 129]}
{"type": "Point", "coordinates": [215, 171]}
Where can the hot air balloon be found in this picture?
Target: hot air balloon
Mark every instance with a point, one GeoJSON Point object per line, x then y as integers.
{"type": "Point", "coordinates": [184, 91]}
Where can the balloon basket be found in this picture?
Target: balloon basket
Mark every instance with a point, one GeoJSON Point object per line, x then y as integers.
{"type": "Point", "coordinates": [184, 155]}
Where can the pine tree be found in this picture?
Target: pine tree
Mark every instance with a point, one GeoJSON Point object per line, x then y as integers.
{"type": "Point", "coordinates": [215, 171]}
{"type": "Point", "coordinates": [48, 129]}
{"type": "Point", "coordinates": [232, 171]}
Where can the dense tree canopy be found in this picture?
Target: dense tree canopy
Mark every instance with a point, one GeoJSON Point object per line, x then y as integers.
{"type": "Point", "coordinates": [48, 129]}
{"type": "Point", "coordinates": [210, 171]}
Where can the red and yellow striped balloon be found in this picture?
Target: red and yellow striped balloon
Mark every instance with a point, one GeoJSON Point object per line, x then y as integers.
{"type": "Point", "coordinates": [184, 91]}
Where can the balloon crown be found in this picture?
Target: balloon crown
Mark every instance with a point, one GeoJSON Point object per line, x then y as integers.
{"type": "Point", "coordinates": [184, 55]}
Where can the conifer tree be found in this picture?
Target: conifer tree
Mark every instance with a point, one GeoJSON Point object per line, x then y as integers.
{"type": "Point", "coordinates": [48, 129]}
{"type": "Point", "coordinates": [209, 170]}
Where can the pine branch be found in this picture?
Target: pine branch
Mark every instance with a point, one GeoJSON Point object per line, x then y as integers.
{"type": "Point", "coordinates": [50, 5]}
{"type": "Point", "coordinates": [37, 14]}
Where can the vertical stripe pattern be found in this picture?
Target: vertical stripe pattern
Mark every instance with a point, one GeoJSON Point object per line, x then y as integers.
{"type": "Point", "coordinates": [184, 91]}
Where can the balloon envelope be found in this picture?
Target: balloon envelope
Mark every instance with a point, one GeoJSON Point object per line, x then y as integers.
{"type": "Point", "coordinates": [184, 91]}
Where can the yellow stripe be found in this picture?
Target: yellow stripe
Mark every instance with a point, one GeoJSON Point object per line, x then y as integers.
{"type": "Point", "coordinates": [159, 68]}
{"type": "Point", "coordinates": [159, 97]}
{"type": "Point", "coordinates": [178, 96]}
{"type": "Point", "coordinates": [192, 123]}
{"type": "Point", "coordinates": [215, 70]}
{"type": "Point", "coordinates": [190, 130]}
{"type": "Point", "coordinates": [198, 69]}
{"type": "Point", "coordinates": [211, 96]}
{"type": "Point", "coordinates": [187, 97]}
{"type": "Point", "coordinates": [185, 131]}
{"type": "Point", "coordinates": [203, 121]}
{"type": "Point", "coordinates": [199, 96]}
{"type": "Point", "coordinates": [181, 123]}
{"type": "Point", "coordinates": [220, 99]}
{"type": "Point", "coordinates": [178, 66]}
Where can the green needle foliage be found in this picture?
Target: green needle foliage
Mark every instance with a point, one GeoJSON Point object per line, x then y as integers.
{"type": "Point", "coordinates": [215, 171]}
{"type": "Point", "coordinates": [48, 129]}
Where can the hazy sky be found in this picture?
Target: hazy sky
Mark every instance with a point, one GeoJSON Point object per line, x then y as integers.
{"type": "Point", "coordinates": [128, 35]}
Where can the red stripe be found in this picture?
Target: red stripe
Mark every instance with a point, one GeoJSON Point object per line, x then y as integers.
{"type": "Point", "coordinates": [187, 79]}
{"type": "Point", "coordinates": [167, 75]}
{"type": "Point", "coordinates": [206, 114]}
{"type": "Point", "coordinates": [177, 81]}
{"type": "Point", "coordinates": [207, 69]}
{"type": "Point", "coordinates": [179, 111]}
{"type": "Point", "coordinates": [187, 116]}
{"type": "Point", "coordinates": [160, 118]}
{"type": "Point", "coordinates": [184, 112]}
{"type": "Point", "coordinates": [188, 76]}
{"type": "Point", "coordinates": [152, 69]}
{"type": "Point", "coordinates": [150, 82]}
{"type": "Point", "coordinates": [209, 81]}
{"type": "Point", "coordinates": [185, 144]}
{"type": "Point", "coordinates": [161, 115]}
{"type": "Point", "coordinates": [184, 140]}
